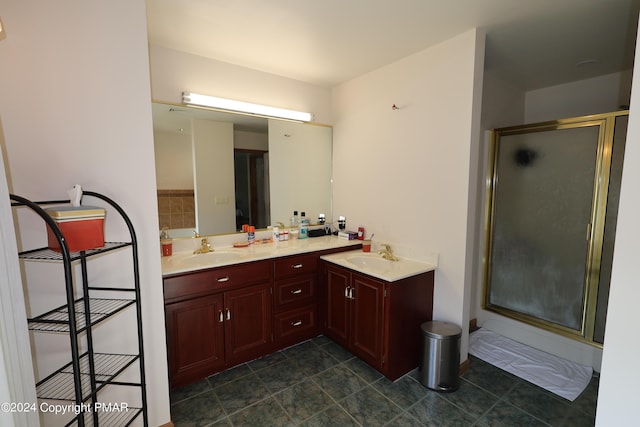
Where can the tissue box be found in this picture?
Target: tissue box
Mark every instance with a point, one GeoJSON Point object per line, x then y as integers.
{"type": "Point", "coordinates": [349, 235]}
{"type": "Point", "coordinates": [82, 227]}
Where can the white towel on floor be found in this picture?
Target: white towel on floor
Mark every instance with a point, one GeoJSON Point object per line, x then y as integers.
{"type": "Point", "coordinates": [562, 377]}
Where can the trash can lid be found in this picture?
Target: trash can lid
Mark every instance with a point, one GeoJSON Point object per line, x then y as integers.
{"type": "Point", "coordinates": [441, 330]}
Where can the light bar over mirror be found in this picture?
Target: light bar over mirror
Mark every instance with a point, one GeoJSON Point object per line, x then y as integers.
{"type": "Point", "coordinates": [190, 98]}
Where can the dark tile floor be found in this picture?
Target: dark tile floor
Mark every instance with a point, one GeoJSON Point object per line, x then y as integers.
{"type": "Point", "coordinates": [318, 383]}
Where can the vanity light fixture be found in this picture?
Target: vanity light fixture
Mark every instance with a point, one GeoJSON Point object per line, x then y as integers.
{"type": "Point", "coordinates": [190, 98]}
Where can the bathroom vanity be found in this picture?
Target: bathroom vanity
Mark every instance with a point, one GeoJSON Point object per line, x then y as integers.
{"type": "Point", "coordinates": [374, 308]}
{"type": "Point", "coordinates": [234, 305]}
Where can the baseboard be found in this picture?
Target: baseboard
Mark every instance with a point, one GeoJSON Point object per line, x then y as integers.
{"type": "Point", "coordinates": [473, 325]}
{"type": "Point", "coordinates": [464, 367]}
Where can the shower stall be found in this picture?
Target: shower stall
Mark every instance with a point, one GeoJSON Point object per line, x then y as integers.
{"type": "Point", "coordinates": [551, 219]}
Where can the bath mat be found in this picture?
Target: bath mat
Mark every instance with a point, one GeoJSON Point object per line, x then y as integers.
{"type": "Point", "coordinates": [562, 377]}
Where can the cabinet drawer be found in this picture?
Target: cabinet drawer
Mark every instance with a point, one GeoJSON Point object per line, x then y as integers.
{"type": "Point", "coordinates": [300, 264]}
{"type": "Point", "coordinates": [295, 325]}
{"type": "Point", "coordinates": [295, 291]}
{"type": "Point", "coordinates": [209, 281]}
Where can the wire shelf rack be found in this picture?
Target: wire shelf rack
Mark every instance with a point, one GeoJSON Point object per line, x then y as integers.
{"type": "Point", "coordinates": [60, 385]}
{"type": "Point", "coordinates": [57, 320]}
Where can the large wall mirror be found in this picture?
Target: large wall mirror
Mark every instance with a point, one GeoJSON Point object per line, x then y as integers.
{"type": "Point", "coordinates": [216, 171]}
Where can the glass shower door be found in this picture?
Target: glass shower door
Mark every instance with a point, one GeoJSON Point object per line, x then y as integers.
{"type": "Point", "coordinates": [548, 202]}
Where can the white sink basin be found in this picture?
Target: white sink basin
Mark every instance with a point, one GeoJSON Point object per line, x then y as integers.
{"type": "Point", "coordinates": [371, 262]}
{"type": "Point", "coordinates": [214, 257]}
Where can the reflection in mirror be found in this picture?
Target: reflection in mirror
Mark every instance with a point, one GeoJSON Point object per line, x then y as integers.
{"type": "Point", "coordinates": [216, 171]}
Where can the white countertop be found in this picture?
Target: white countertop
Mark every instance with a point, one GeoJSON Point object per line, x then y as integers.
{"type": "Point", "coordinates": [374, 265]}
{"type": "Point", "coordinates": [186, 261]}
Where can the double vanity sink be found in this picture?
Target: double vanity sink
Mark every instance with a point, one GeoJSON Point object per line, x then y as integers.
{"type": "Point", "coordinates": [232, 305]}
{"type": "Point", "coordinates": [368, 263]}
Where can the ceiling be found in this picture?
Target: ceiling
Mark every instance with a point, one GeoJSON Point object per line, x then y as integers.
{"type": "Point", "coordinates": [530, 43]}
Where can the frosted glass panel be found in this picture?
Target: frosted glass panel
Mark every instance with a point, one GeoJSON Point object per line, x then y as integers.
{"type": "Point", "coordinates": [542, 207]}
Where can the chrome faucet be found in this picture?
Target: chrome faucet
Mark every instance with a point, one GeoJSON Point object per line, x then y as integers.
{"type": "Point", "coordinates": [387, 253]}
{"type": "Point", "coordinates": [205, 247]}
{"type": "Point", "coordinates": [280, 224]}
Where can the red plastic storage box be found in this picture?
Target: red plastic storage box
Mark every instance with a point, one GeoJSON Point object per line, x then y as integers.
{"type": "Point", "coordinates": [82, 227]}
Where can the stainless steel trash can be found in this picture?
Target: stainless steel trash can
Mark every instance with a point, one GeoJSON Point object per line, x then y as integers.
{"type": "Point", "coordinates": [440, 358]}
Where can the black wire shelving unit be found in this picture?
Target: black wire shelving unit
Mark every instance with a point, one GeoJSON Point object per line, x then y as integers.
{"type": "Point", "coordinates": [88, 372]}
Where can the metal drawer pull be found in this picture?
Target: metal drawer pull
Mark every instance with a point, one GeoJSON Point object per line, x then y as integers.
{"type": "Point", "coordinates": [228, 314]}
{"type": "Point", "coordinates": [298, 323]}
{"type": "Point", "coordinates": [296, 291]}
{"type": "Point", "coordinates": [351, 294]}
{"type": "Point", "coordinates": [223, 279]}
{"type": "Point", "coordinates": [346, 292]}
{"type": "Point", "coordinates": [296, 266]}
{"type": "Point", "coordinates": [221, 316]}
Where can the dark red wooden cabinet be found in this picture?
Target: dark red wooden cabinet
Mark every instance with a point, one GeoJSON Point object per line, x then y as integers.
{"type": "Point", "coordinates": [247, 323]}
{"type": "Point", "coordinates": [195, 338]}
{"type": "Point", "coordinates": [217, 318]}
{"type": "Point", "coordinates": [378, 321]}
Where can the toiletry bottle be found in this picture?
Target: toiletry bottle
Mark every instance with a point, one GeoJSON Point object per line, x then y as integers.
{"type": "Point", "coordinates": [293, 222]}
{"type": "Point", "coordinates": [304, 227]}
{"type": "Point", "coordinates": [251, 235]}
{"type": "Point", "coordinates": [166, 242]}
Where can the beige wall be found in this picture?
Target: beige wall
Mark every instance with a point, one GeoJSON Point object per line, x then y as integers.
{"type": "Point", "coordinates": [173, 72]}
{"type": "Point", "coordinates": [75, 108]}
{"type": "Point", "coordinates": [213, 178]}
{"type": "Point", "coordinates": [174, 160]}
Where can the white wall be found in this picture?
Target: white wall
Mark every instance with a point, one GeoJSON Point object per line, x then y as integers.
{"type": "Point", "coordinates": [17, 383]}
{"type": "Point", "coordinates": [404, 174]}
{"type": "Point", "coordinates": [299, 170]}
{"type": "Point", "coordinates": [214, 176]}
{"type": "Point", "coordinates": [618, 394]}
{"type": "Point", "coordinates": [76, 108]}
{"type": "Point", "coordinates": [502, 103]}
{"type": "Point", "coordinates": [174, 160]}
{"type": "Point", "coordinates": [251, 140]}
{"type": "Point", "coordinates": [591, 96]}
{"type": "Point", "coordinates": [173, 72]}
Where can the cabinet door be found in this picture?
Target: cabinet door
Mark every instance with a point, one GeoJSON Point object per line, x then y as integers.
{"type": "Point", "coordinates": [338, 304]}
{"type": "Point", "coordinates": [367, 305]}
{"type": "Point", "coordinates": [247, 314]}
{"type": "Point", "coordinates": [195, 338]}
